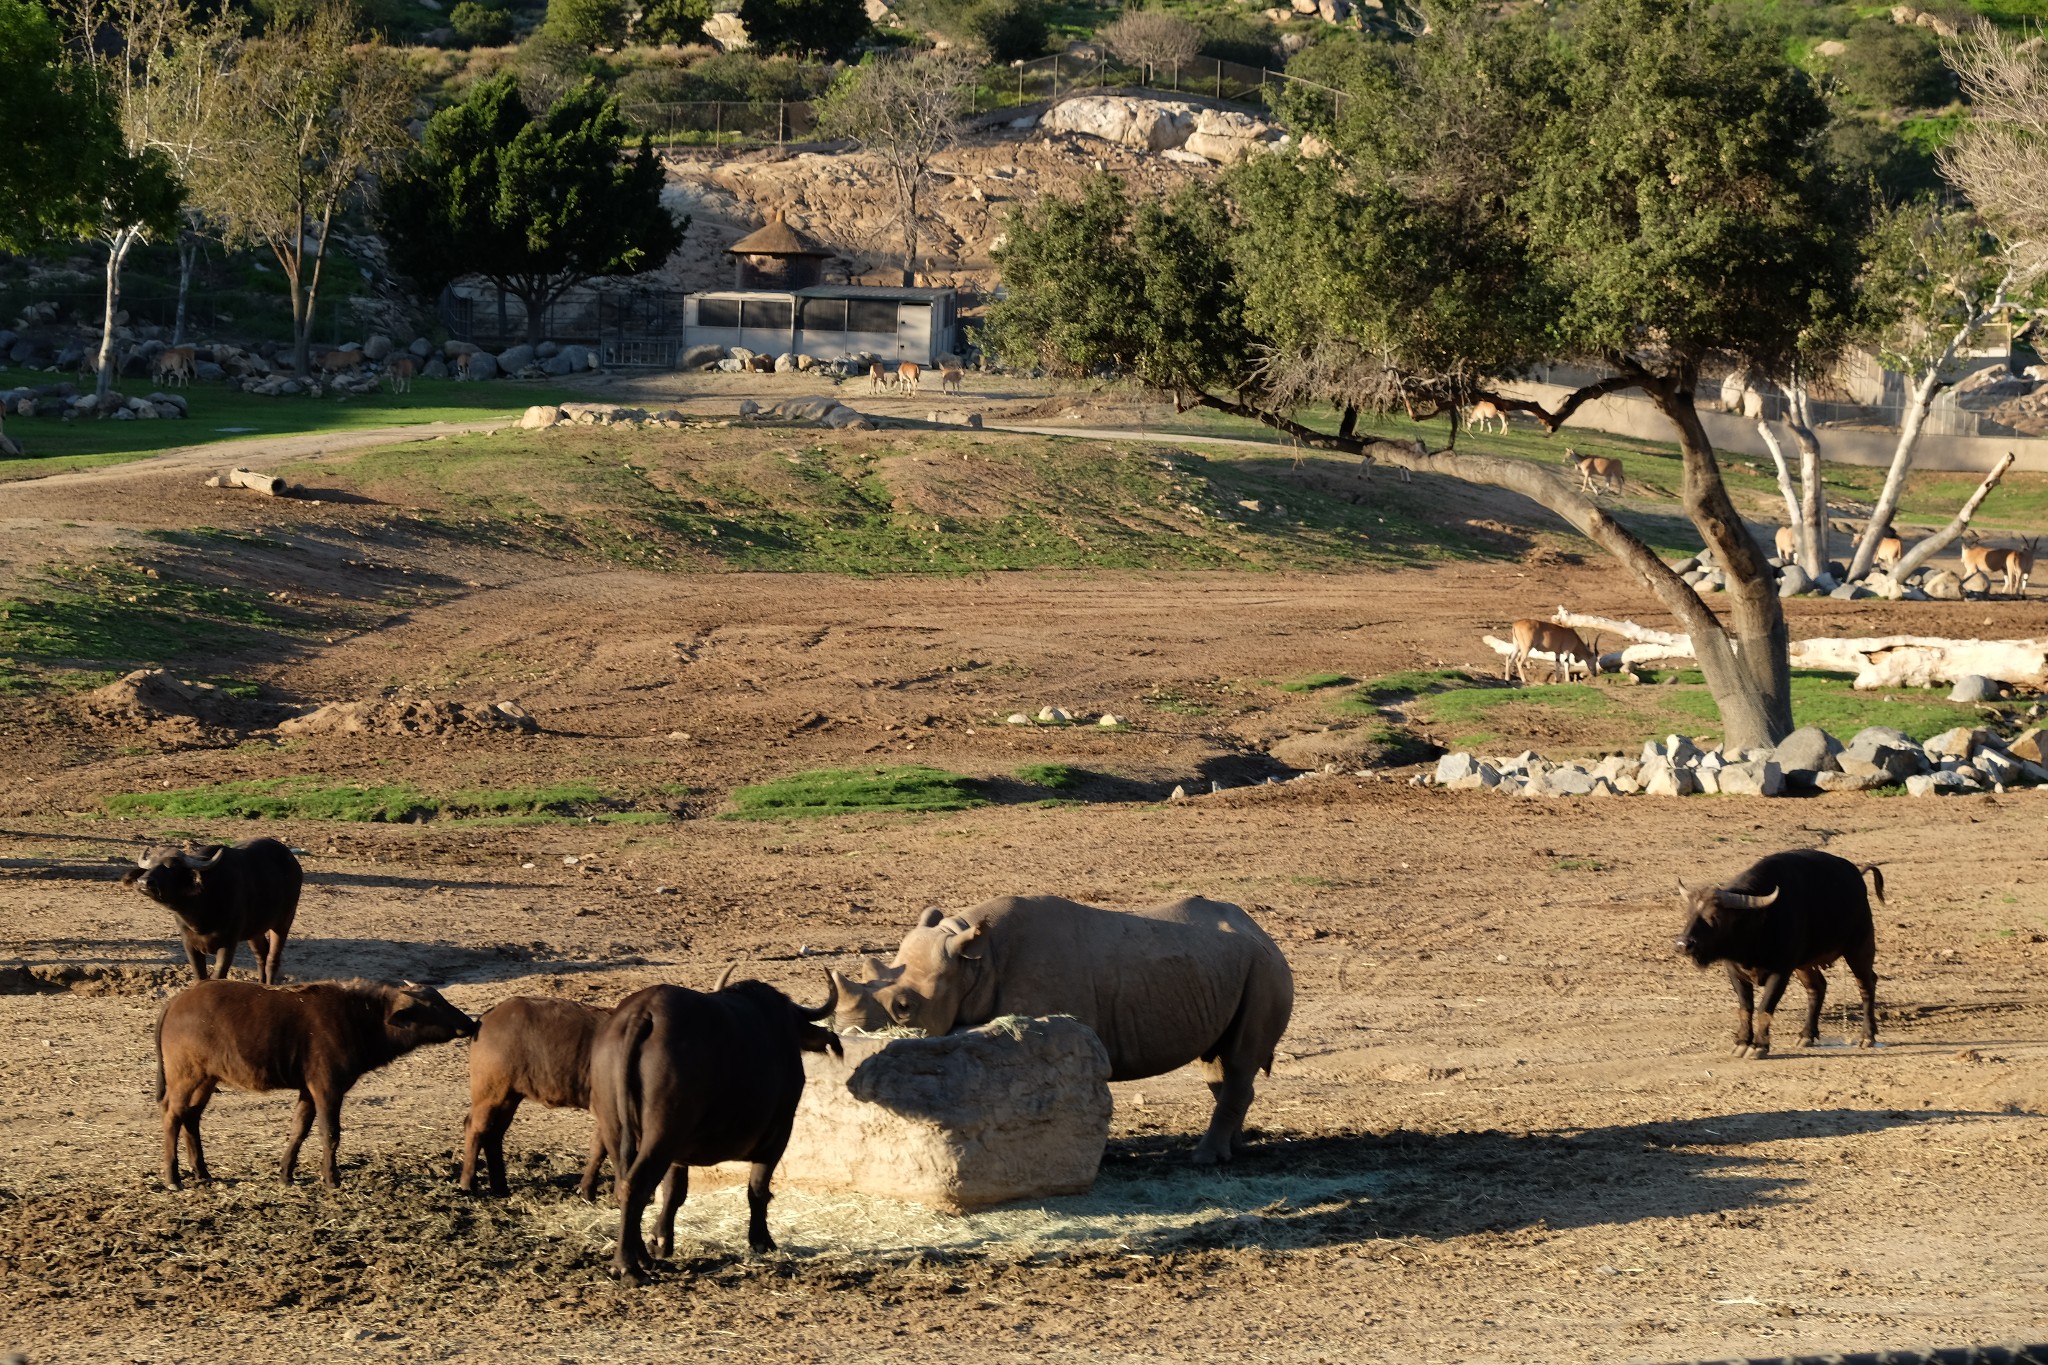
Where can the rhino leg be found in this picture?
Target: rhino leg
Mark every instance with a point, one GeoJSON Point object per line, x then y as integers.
{"type": "Point", "coordinates": [1231, 1084]}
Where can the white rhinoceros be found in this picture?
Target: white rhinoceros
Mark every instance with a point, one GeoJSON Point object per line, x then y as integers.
{"type": "Point", "coordinates": [1162, 987]}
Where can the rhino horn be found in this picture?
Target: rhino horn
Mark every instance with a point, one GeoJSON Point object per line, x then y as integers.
{"type": "Point", "coordinates": [1735, 900]}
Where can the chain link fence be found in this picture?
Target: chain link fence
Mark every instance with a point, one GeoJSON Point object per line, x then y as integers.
{"type": "Point", "coordinates": [723, 123]}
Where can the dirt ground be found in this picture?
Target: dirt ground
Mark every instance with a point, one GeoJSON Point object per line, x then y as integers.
{"type": "Point", "coordinates": [1504, 1125]}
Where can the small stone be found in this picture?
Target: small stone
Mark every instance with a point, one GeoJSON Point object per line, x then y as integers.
{"type": "Point", "coordinates": [1794, 581]}
{"type": "Point", "coordinates": [1960, 742]}
{"type": "Point", "coordinates": [1052, 715]}
{"type": "Point", "coordinates": [1179, 793]}
{"type": "Point", "coordinates": [1109, 722]}
{"type": "Point", "coordinates": [1456, 767]}
{"type": "Point", "coordinates": [1018, 718]}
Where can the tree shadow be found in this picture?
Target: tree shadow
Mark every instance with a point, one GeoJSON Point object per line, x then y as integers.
{"type": "Point", "coordinates": [134, 966]}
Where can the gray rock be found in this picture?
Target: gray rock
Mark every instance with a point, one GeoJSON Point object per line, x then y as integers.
{"type": "Point", "coordinates": [1852, 782]}
{"type": "Point", "coordinates": [1755, 777]}
{"type": "Point", "coordinates": [1959, 743]}
{"type": "Point", "coordinates": [749, 408]}
{"type": "Point", "coordinates": [697, 357]}
{"type": "Point", "coordinates": [560, 364]}
{"type": "Point", "coordinates": [515, 359]}
{"type": "Point", "coordinates": [1808, 749]}
{"type": "Point", "coordinates": [483, 365]}
{"type": "Point", "coordinates": [1998, 766]}
{"type": "Point", "coordinates": [1974, 687]}
{"type": "Point", "coordinates": [785, 363]}
{"type": "Point", "coordinates": [435, 368]}
{"type": "Point", "coordinates": [1709, 779]}
{"type": "Point", "coordinates": [1943, 586]}
{"type": "Point", "coordinates": [1794, 581]}
{"type": "Point", "coordinates": [208, 373]}
{"type": "Point", "coordinates": [377, 347]}
{"type": "Point", "coordinates": [1685, 566]}
{"type": "Point", "coordinates": [421, 348]}
{"type": "Point", "coordinates": [1851, 592]}
{"type": "Point", "coordinates": [547, 349]}
{"type": "Point", "coordinates": [1664, 780]}
{"type": "Point", "coordinates": [1452, 767]}
{"type": "Point", "coordinates": [726, 366]}
{"type": "Point", "coordinates": [1567, 781]}
{"type": "Point", "coordinates": [1682, 752]}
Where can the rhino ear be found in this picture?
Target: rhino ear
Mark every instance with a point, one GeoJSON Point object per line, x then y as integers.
{"type": "Point", "coordinates": [956, 945]}
{"type": "Point", "coordinates": [843, 987]}
{"type": "Point", "coordinates": [930, 919]}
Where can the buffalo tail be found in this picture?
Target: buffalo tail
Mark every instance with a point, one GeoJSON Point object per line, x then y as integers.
{"type": "Point", "coordinates": [627, 1089]}
{"type": "Point", "coordinates": [160, 1054]}
{"type": "Point", "coordinates": [1876, 879]}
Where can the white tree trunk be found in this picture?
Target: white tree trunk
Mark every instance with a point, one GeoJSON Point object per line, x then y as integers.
{"type": "Point", "coordinates": [117, 253]}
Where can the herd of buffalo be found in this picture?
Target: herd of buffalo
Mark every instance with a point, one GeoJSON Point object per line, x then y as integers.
{"type": "Point", "coordinates": [678, 1078]}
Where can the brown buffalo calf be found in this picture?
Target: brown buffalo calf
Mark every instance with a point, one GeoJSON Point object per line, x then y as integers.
{"type": "Point", "coordinates": [318, 1040]}
{"type": "Point", "coordinates": [528, 1048]}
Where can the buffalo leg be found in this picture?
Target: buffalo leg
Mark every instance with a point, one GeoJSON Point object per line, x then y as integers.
{"type": "Point", "coordinates": [1862, 960]}
{"type": "Point", "coordinates": [586, 1189]}
{"type": "Point", "coordinates": [487, 1125]}
{"type": "Point", "coordinates": [269, 955]}
{"type": "Point", "coordinates": [1745, 1001]}
{"type": "Point", "coordinates": [224, 959]}
{"type": "Point", "coordinates": [182, 1110]}
{"type": "Point", "coordinates": [758, 1195]}
{"type": "Point", "coordinates": [329, 1106]}
{"type": "Point", "coordinates": [1766, 1006]}
{"type": "Point", "coordinates": [1232, 1087]}
{"type": "Point", "coordinates": [302, 1124]}
{"type": "Point", "coordinates": [195, 953]}
{"type": "Point", "coordinates": [675, 1188]}
{"type": "Point", "coordinates": [1816, 994]}
{"type": "Point", "coordinates": [636, 1186]}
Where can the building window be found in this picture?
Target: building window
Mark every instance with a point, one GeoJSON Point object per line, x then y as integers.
{"type": "Point", "coordinates": [824, 315]}
{"type": "Point", "coordinates": [718, 312]}
{"type": "Point", "coordinates": [774, 313]}
{"type": "Point", "coordinates": [871, 315]}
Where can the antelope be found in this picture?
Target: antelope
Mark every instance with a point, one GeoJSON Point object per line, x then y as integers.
{"type": "Point", "coordinates": [1889, 551]}
{"type": "Point", "coordinates": [2013, 567]}
{"type": "Point", "coordinates": [907, 375]}
{"type": "Point", "coordinates": [1484, 412]}
{"type": "Point", "coordinates": [878, 377]}
{"type": "Point", "coordinates": [398, 372]}
{"type": "Point", "coordinates": [175, 364]}
{"type": "Point", "coordinates": [340, 362]}
{"type": "Point", "coordinates": [1560, 641]}
{"type": "Point", "coordinates": [949, 379]}
{"type": "Point", "coordinates": [1788, 542]}
{"type": "Point", "coordinates": [1604, 468]}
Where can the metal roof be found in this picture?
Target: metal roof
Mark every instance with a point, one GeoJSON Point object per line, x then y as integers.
{"type": "Point", "coordinates": [873, 291]}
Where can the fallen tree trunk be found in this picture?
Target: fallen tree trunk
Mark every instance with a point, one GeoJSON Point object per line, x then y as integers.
{"type": "Point", "coordinates": [268, 484]}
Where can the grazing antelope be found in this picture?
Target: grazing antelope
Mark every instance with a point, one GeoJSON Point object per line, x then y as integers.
{"type": "Point", "coordinates": [340, 362]}
{"type": "Point", "coordinates": [1485, 412]}
{"type": "Point", "coordinates": [398, 372]}
{"type": "Point", "coordinates": [1561, 641]}
{"type": "Point", "coordinates": [462, 364]}
{"type": "Point", "coordinates": [1603, 468]}
{"type": "Point", "coordinates": [878, 377]}
{"type": "Point", "coordinates": [907, 376]}
{"type": "Point", "coordinates": [949, 379]}
{"type": "Point", "coordinates": [175, 365]}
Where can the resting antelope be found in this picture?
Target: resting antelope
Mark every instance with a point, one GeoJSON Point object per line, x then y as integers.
{"type": "Point", "coordinates": [1603, 468]}
{"type": "Point", "coordinates": [1484, 412]}
{"type": "Point", "coordinates": [1550, 638]}
{"type": "Point", "coordinates": [462, 364]}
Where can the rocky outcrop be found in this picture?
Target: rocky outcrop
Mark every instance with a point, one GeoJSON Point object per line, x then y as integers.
{"type": "Point", "coordinates": [1218, 135]}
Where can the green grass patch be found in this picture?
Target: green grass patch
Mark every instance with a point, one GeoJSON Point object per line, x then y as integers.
{"type": "Point", "coordinates": [1316, 682]}
{"type": "Point", "coordinates": [1406, 686]}
{"type": "Point", "coordinates": [318, 798]}
{"type": "Point", "coordinates": [54, 446]}
{"type": "Point", "coordinates": [1175, 703]}
{"type": "Point", "coordinates": [849, 791]}
{"type": "Point", "coordinates": [1057, 776]}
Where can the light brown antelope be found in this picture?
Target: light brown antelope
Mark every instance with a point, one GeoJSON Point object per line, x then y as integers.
{"type": "Point", "coordinates": [878, 377]}
{"type": "Point", "coordinates": [1561, 641]}
{"type": "Point", "coordinates": [907, 375]}
{"type": "Point", "coordinates": [2012, 567]}
{"type": "Point", "coordinates": [1988, 560]}
{"type": "Point", "coordinates": [175, 365]}
{"type": "Point", "coordinates": [1484, 412]}
{"type": "Point", "coordinates": [462, 364]}
{"type": "Point", "coordinates": [1788, 543]}
{"type": "Point", "coordinates": [1603, 469]}
{"type": "Point", "coordinates": [340, 362]}
{"type": "Point", "coordinates": [949, 379]}
{"type": "Point", "coordinates": [398, 373]}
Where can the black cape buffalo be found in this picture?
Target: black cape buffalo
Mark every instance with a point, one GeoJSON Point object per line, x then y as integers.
{"type": "Point", "coordinates": [224, 896]}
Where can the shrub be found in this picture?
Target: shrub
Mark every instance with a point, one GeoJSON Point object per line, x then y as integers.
{"type": "Point", "coordinates": [1869, 152]}
{"type": "Point", "coordinates": [1891, 65]}
{"type": "Point", "coordinates": [1154, 38]}
{"type": "Point", "coordinates": [587, 24]}
{"type": "Point", "coordinates": [480, 26]}
{"type": "Point", "coordinates": [828, 27]}
{"type": "Point", "coordinates": [1009, 30]}
{"type": "Point", "coordinates": [672, 21]}
{"type": "Point", "coordinates": [1247, 39]}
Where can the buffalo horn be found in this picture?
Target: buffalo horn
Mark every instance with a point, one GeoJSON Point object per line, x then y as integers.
{"type": "Point", "coordinates": [1735, 900]}
{"type": "Point", "coordinates": [725, 977]}
{"type": "Point", "coordinates": [831, 998]}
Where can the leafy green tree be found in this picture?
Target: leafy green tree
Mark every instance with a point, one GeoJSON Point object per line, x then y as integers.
{"type": "Point", "coordinates": [59, 132]}
{"type": "Point", "coordinates": [1008, 30]}
{"type": "Point", "coordinates": [535, 206]}
{"type": "Point", "coordinates": [1890, 65]}
{"type": "Point", "coordinates": [1642, 194]}
{"type": "Point", "coordinates": [829, 27]}
{"type": "Point", "coordinates": [588, 24]}
{"type": "Point", "coordinates": [480, 25]}
{"type": "Point", "coordinates": [672, 21]}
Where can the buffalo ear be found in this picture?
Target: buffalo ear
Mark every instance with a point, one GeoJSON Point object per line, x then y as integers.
{"type": "Point", "coordinates": [958, 942]}
{"type": "Point", "coordinates": [132, 876]}
{"type": "Point", "coordinates": [930, 918]}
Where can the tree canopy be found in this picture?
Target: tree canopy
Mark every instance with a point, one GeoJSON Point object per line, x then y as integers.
{"type": "Point", "coordinates": [1641, 194]}
{"type": "Point", "coordinates": [537, 206]}
{"type": "Point", "coordinates": [61, 135]}
{"type": "Point", "coordinates": [828, 27]}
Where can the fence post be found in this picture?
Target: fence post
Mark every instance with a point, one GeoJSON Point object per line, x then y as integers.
{"type": "Point", "coordinates": [781, 120]}
{"type": "Point", "coordinates": [717, 122]}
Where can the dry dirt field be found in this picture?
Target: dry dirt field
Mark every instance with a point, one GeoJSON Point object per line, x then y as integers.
{"type": "Point", "coordinates": [1504, 1125]}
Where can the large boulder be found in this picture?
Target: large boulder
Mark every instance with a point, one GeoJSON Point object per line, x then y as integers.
{"type": "Point", "coordinates": [727, 31]}
{"type": "Point", "coordinates": [483, 365]}
{"type": "Point", "coordinates": [377, 347]}
{"type": "Point", "coordinates": [515, 359]}
{"type": "Point", "coordinates": [1943, 586]}
{"type": "Point", "coordinates": [1016, 1109]}
{"type": "Point", "coordinates": [697, 357]}
{"type": "Point", "coordinates": [1808, 749]}
{"type": "Point", "coordinates": [1226, 136]}
{"type": "Point", "coordinates": [1149, 125]}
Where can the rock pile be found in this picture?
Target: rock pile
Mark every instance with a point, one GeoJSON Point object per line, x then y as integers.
{"type": "Point", "coordinates": [66, 402]}
{"type": "Point", "coordinates": [1956, 761]}
{"type": "Point", "coordinates": [544, 415]}
{"type": "Point", "coordinates": [1220, 136]}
